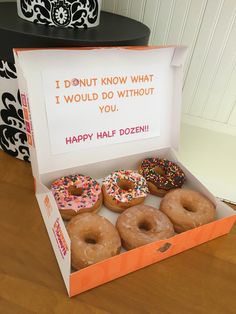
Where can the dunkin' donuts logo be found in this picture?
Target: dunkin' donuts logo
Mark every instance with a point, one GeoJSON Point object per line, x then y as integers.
{"type": "Point", "coordinates": [27, 119]}
{"type": "Point", "coordinates": [61, 242]}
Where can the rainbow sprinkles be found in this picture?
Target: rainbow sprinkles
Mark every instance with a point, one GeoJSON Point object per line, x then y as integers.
{"type": "Point", "coordinates": [135, 185]}
{"type": "Point", "coordinates": [75, 192]}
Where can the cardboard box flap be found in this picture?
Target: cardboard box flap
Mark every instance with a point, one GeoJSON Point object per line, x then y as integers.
{"type": "Point", "coordinates": [88, 105]}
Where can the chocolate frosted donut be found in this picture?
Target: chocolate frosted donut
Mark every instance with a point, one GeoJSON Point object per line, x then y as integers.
{"type": "Point", "coordinates": [143, 224]}
{"type": "Point", "coordinates": [93, 239]}
{"type": "Point", "coordinates": [162, 175]}
{"type": "Point", "coordinates": [187, 209]}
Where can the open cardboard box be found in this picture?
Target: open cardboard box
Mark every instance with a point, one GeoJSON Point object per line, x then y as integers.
{"type": "Point", "coordinates": [47, 78]}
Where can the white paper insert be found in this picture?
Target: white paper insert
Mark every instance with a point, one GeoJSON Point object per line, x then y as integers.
{"type": "Point", "coordinates": [94, 105]}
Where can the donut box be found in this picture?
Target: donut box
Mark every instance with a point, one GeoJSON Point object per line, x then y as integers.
{"type": "Point", "coordinates": [93, 111]}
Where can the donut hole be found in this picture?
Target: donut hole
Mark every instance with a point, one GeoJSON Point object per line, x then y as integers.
{"type": "Point", "coordinates": [159, 171]}
{"type": "Point", "coordinates": [144, 225]}
{"type": "Point", "coordinates": [73, 190]}
{"type": "Point", "coordinates": [188, 207]}
{"type": "Point", "coordinates": [91, 239]}
{"type": "Point", "coordinates": [125, 184]}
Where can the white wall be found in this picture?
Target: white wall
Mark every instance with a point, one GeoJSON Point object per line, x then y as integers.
{"type": "Point", "coordinates": [208, 28]}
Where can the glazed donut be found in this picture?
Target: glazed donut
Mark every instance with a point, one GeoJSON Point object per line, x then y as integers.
{"type": "Point", "coordinates": [123, 189]}
{"type": "Point", "coordinates": [93, 239]}
{"type": "Point", "coordinates": [143, 224]}
{"type": "Point", "coordinates": [162, 175]}
{"type": "Point", "coordinates": [187, 209]}
{"type": "Point", "coordinates": [76, 194]}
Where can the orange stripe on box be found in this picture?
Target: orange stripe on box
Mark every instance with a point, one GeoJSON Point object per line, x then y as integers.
{"type": "Point", "coordinates": [127, 262]}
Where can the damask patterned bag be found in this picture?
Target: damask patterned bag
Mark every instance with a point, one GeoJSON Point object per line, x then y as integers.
{"type": "Point", "coordinates": [12, 129]}
{"type": "Point", "coordinates": [63, 13]}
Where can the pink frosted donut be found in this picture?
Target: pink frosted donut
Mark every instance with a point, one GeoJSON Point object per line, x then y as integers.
{"type": "Point", "coordinates": [76, 194]}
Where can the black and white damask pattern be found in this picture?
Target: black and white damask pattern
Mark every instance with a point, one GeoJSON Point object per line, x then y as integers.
{"type": "Point", "coordinates": [12, 130]}
{"type": "Point", "coordinates": [7, 70]}
{"type": "Point", "coordinates": [64, 13]}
